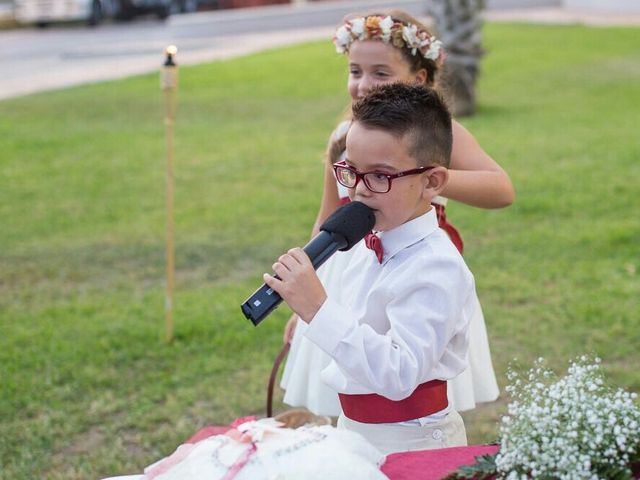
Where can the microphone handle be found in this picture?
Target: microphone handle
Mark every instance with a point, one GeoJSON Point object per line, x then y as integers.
{"type": "Point", "coordinates": [261, 303]}
{"type": "Point", "coordinates": [323, 246]}
{"type": "Point", "coordinates": [265, 300]}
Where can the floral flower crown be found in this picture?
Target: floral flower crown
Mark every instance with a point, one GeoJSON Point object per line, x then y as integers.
{"type": "Point", "coordinates": [391, 31]}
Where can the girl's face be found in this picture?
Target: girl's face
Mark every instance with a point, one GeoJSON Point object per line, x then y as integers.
{"type": "Point", "coordinates": [373, 62]}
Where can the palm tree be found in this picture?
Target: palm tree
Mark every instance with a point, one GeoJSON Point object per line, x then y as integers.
{"type": "Point", "coordinates": [458, 25]}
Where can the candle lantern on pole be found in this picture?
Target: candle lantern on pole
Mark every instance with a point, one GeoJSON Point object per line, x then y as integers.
{"type": "Point", "coordinates": [169, 85]}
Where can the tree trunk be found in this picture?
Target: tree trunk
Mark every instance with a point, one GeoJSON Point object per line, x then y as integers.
{"type": "Point", "coordinates": [458, 25]}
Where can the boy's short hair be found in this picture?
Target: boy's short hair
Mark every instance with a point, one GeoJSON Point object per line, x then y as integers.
{"type": "Point", "coordinates": [414, 112]}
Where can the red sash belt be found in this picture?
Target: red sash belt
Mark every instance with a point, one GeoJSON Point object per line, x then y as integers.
{"type": "Point", "coordinates": [428, 398]}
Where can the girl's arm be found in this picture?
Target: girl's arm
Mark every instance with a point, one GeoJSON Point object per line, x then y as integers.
{"type": "Point", "coordinates": [330, 198]}
{"type": "Point", "coordinates": [330, 203]}
{"type": "Point", "coordinates": [474, 177]}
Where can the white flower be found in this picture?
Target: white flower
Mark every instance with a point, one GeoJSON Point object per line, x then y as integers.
{"type": "Point", "coordinates": [434, 50]}
{"type": "Point", "coordinates": [342, 39]}
{"type": "Point", "coordinates": [409, 34]}
{"type": "Point", "coordinates": [357, 28]}
{"type": "Point", "coordinates": [385, 26]}
{"type": "Point", "coordinates": [569, 428]}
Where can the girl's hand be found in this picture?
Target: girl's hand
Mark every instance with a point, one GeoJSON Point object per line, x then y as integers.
{"type": "Point", "coordinates": [290, 329]}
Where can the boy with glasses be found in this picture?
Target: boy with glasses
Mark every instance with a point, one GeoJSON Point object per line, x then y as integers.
{"type": "Point", "coordinates": [398, 329]}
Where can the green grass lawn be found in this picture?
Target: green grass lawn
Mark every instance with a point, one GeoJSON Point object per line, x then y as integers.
{"type": "Point", "coordinates": [89, 388]}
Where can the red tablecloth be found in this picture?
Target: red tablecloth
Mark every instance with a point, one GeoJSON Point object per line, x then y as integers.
{"type": "Point", "coordinates": [421, 465]}
{"type": "Point", "coordinates": [433, 464]}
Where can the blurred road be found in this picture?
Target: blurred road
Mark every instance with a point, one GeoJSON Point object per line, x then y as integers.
{"type": "Point", "coordinates": [59, 56]}
{"type": "Point", "coordinates": [41, 59]}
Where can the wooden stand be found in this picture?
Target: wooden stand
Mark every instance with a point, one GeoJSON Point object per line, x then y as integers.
{"type": "Point", "coordinates": [169, 85]}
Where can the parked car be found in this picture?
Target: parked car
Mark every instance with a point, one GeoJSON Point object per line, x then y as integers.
{"type": "Point", "coordinates": [190, 6]}
{"type": "Point", "coordinates": [44, 12]}
{"type": "Point", "coordinates": [128, 9]}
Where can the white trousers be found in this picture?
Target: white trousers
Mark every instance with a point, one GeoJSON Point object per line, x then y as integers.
{"type": "Point", "coordinates": [392, 437]}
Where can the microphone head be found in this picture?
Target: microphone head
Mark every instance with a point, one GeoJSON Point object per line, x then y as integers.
{"type": "Point", "coordinates": [352, 221]}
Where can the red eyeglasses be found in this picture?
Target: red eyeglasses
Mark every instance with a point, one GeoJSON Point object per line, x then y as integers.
{"type": "Point", "coordinates": [377, 182]}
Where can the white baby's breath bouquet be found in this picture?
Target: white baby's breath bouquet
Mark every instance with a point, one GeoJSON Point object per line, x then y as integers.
{"type": "Point", "coordinates": [574, 428]}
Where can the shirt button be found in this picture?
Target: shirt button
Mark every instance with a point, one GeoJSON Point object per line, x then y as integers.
{"type": "Point", "coordinates": [437, 434]}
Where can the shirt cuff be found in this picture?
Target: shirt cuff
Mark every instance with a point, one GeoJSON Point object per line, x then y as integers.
{"type": "Point", "coordinates": [329, 326]}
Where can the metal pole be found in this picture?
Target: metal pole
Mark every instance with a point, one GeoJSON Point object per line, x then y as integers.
{"type": "Point", "coordinates": [169, 85]}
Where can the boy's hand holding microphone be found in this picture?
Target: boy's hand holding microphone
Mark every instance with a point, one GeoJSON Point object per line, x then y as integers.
{"type": "Point", "coordinates": [296, 280]}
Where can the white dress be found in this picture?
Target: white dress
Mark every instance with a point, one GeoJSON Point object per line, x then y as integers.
{"type": "Point", "coordinates": [304, 387]}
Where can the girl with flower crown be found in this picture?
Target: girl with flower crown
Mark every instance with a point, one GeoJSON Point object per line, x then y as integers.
{"type": "Point", "coordinates": [387, 48]}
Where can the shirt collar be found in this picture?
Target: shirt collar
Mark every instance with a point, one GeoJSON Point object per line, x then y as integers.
{"type": "Point", "coordinates": [408, 233]}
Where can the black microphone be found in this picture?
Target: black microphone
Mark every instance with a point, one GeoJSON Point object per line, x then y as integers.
{"type": "Point", "coordinates": [342, 230]}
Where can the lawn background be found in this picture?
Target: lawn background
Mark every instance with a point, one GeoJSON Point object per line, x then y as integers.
{"type": "Point", "coordinates": [89, 389]}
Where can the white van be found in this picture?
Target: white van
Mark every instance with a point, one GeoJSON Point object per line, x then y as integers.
{"type": "Point", "coordinates": [43, 12]}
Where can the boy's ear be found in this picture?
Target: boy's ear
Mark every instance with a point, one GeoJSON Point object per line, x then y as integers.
{"type": "Point", "coordinates": [437, 179]}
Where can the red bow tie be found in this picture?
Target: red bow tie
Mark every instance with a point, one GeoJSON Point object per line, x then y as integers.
{"type": "Point", "coordinates": [374, 243]}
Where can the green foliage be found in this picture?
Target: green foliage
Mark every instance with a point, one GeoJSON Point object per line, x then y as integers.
{"type": "Point", "coordinates": [88, 388]}
{"type": "Point", "coordinates": [483, 469]}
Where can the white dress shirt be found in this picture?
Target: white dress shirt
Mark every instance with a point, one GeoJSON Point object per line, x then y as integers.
{"type": "Point", "coordinates": [400, 323]}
